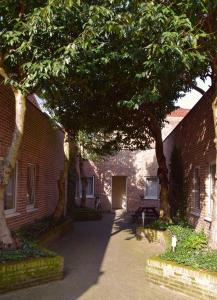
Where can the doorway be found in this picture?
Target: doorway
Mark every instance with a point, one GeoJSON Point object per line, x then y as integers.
{"type": "Point", "coordinates": [119, 192]}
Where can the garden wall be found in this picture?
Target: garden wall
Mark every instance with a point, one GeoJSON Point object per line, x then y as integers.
{"type": "Point", "coordinates": [16, 275]}
{"type": "Point", "coordinates": [200, 284]}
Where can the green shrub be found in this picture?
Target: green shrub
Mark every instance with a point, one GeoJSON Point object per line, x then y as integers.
{"type": "Point", "coordinates": [158, 225]}
{"type": "Point", "coordinates": [33, 231]}
{"type": "Point", "coordinates": [27, 250]}
{"type": "Point", "coordinates": [192, 249]}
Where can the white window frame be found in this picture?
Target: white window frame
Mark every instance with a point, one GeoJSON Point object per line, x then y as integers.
{"type": "Point", "coordinates": [87, 195]}
{"type": "Point", "coordinates": [13, 210]}
{"type": "Point", "coordinates": [195, 208]}
{"type": "Point", "coordinates": [31, 205]}
{"type": "Point", "coordinates": [210, 183]}
{"type": "Point", "coordinates": [146, 189]}
{"type": "Point", "coordinates": [92, 196]}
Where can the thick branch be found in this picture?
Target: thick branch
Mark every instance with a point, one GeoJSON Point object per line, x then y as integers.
{"type": "Point", "coordinates": [198, 89]}
{"type": "Point", "coordinates": [3, 73]}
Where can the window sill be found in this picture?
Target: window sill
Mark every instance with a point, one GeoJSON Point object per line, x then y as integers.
{"type": "Point", "coordinates": [31, 209]}
{"type": "Point", "coordinates": [195, 213]}
{"type": "Point", "coordinates": [87, 197]}
{"type": "Point", "coordinates": [208, 219]}
{"type": "Point", "coordinates": [11, 215]}
{"type": "Point", "coordinates": [150, 198]}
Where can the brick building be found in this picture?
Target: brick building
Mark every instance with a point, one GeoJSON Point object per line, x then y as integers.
{"type": "Point", "coordinates": [32, 192]}
{"type": "Point", "coordinates": [129, 179]}
{"type": "Point", "coordinates": [194, 137]}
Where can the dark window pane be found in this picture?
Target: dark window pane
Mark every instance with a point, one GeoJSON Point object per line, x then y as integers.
{"type": "Point", "coordinates": [31, 173]}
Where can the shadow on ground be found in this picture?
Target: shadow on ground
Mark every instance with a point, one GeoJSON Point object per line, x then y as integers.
{"type": "Point", "coordinates": [83, 249]}
{"type": "Point", "coordinates": [103, 261]}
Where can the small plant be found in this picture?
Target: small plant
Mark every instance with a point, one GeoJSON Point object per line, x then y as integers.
{"type": "Point", "coordinates": [33, 231]}
{"type": "Point", "coordinates": [27, 250]}
{"type": "Point", "coordinates": [158, 225]}
{"type": "Point", "coordinates": [192, 249]}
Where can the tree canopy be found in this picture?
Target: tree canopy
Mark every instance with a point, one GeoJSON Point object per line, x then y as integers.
{"type": "Point", "coordinates": [110, 66]}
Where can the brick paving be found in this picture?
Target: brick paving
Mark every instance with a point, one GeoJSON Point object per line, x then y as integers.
{"type": "Point", "coordinates": [103, 261]}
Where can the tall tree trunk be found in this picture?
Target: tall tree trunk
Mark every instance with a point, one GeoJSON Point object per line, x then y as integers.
{"type": "Point", "coordinates": [213, 230]}
{"type": "Point", "coordinates": [162, 168]}
{"type": "Point", "coordinates": [83, 183]}
{"type": "Point", "coordinates": [9, 161]}
{"type": "Point", "coordinates": [163, 177]}
{"type": "Point", "coordinates": [60, 210]}
{"type": "Point", "coordinates": [78, 174]}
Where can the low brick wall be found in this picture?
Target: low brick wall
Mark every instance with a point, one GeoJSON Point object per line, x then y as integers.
{"type": "Point", "coordinates": [153, 235]}
{"type": "Point", "coordinates": [200, 284]}
{"type": "Point", "coordinates": [29, 272]}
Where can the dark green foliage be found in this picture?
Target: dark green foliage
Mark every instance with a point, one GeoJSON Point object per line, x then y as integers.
{"type": "Point", "coordinates": [191, 249]}
{"type": "Point", "coordinates": [87, 214]}
{"type": "Point", "coordinates": [33, 232]}
{"type": "Point", "coordinates": [27, 250]}
{"type": "Point", "coordinates": [178, 201]}
{"type": "Point", "coordinates": [158, 225]}
{"type": "Point", "coordinates": [28, 234]}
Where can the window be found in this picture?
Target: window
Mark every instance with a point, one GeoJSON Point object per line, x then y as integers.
{"type": "Point", "coordinates": [196, 188]}
{"type": "Point", "coordinates": [31, 180]}
{"type": "Point", "coordinates": [90, 187]}
{"type": "Point", "coordinates": [10, 193]}
{"type": "Point", "coordinates": [151, 188]}
{"type": "Point", "coordinates": [212, 170]}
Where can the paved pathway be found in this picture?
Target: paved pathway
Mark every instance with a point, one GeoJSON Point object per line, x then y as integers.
{"type": "Point", "coordinates": [103, 261]}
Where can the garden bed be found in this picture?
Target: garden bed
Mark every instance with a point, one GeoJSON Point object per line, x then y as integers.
{"type": "Point", "coordinates": [191, 269]}
{"type": "Point", "coordinates": [45, 230]}
{"type": "Point", "coordinates": [29, 272]}
{"type": "Point", "coordinates": [31, 264]}
{"type": "Point", "coordinates": [153, 235]}
{"type": "Point", "coordinates": [197, 283]}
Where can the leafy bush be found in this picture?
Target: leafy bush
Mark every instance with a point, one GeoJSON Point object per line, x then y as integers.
{"type": "Point", "coordinates": [33, 231]}
{"type": "Point", "coordinates": [158, 225]}
{"type": "Point", "coordinates": [27, 250]}
{"type": "Point", "coordinates": [192, 249]}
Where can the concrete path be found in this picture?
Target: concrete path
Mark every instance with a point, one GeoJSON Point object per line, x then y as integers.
{"type": "Point", "coordinates": [103, 261]}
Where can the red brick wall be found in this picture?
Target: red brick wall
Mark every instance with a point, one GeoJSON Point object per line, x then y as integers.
{"type": "Point", "coordinates": [135, 165]}
{"type": "Point", "coordinates": [194, 137]}
{"type": "Point", "coordinates": [43, 146]}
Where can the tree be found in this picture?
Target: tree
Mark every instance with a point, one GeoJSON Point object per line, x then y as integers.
{"type": "Point", "coordinates": [202, 19]}
{"type": "Point", "coordinates": [60, 209]}
{"type": "Point", "coordinates": [32, 34]}
{"type": "Point", "coordinates": [177, 194]}
{"type": "Point", "coordinates": [129, 76]}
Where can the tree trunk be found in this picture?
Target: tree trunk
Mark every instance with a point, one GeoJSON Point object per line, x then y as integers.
{"type": "Point", "coordinates": [78, 174]}
{"type": "Point", "coordinates": [213, 230]}
{"type": "Point", "coordinates": [83, 183]}
{"type": "Point", "coordinates": [162, 168]}
{"type": "Point", "coordinates": [163, 179]}
{"type": "Point", "coordinates": [9, 162]}
{"type": "Point", "coordinates": [60, 210]}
